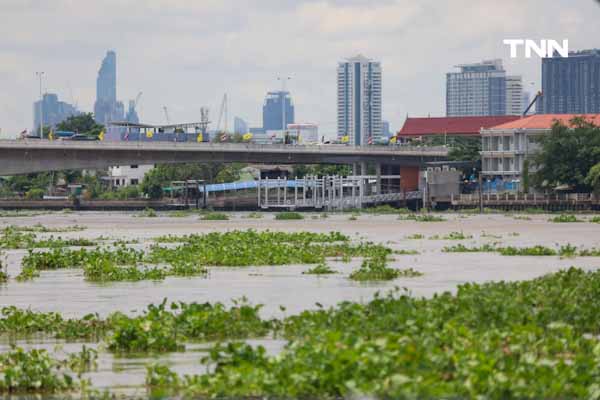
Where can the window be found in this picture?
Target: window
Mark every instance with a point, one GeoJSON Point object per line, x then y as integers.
{"type": "Point", "coordinates": [134, 181]}
{"type": "Point", "coordinates": [134, 166]}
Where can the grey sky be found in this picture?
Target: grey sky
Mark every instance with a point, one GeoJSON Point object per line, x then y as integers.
{"type": "Point", "coordinates": [186, 53]}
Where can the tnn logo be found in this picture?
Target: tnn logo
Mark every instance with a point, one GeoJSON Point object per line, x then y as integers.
{"type": "Point", "coordinates": [546, 48]}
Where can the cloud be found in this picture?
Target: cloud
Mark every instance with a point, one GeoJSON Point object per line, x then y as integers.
{"type": "Point", "coordinates": [185, 54]}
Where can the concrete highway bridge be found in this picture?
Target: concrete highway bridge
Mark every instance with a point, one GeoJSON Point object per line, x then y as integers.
{"type": "Point", "coordinates": [35, 155]}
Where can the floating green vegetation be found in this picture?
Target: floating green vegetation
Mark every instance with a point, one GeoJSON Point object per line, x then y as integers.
{"type": "Point", "coordinates": [564, 218]}
{"type": "Point", "coordinates": [566, 250]}
{"type": "Point", "coordinates": [254, 215]}
{"type": "Point", "coordinates": [252, 248]}
{"type": "Point", "coordinates": [17, 238]}
{"type": "Point", "coordinates": [320, 269]}
{"type": "Point", "coordinates": [22, 213]}
{"type": "Point", "coordinates": [60, 258]}
{"type": "Point", "coordinates": [195, 252]}
{"type": "Point", "coordinates": [39, 228]}
{"type": "Point", "coordinates": [522, 217]}
{"type": "Point", "coordinates": [3, 270]}
{"type": "Point", "coordinates": [285, 215]}
{"type": "Point", "coordinates": [214, 216]}
{"type": "Point", "coordinates": [595, 220]}
{"type": "Point", "coordinates": [485, 234]}
{"type": "Point", "coordinates": [376, 269]}
{"type": "Point", "coordinates": [514, 234]}
{"type": "Point", "coordinates": [405, 252]}
{"type": "Point", "coordinates": [385, 209]}
{"type": "Point", "coordinates": [422, 218]}
{"type": "Point", "coordinates": [147, 213]}
{"type": "Point", "coordinates": [451, 236]}
{"type": "Point", "coordinates": [415, 236]}
{"type": "Point", "coordinates": [106, 270]}
{"type": "Point", "coordinates": [180, 213]}
{"type": "Point", "coordinates": [165, 329]}
{"type": "Point", "coordinates": [461, 248]}
{"type": "Point", "coordinates": [21, 323]}
{"type": "Point", "coordinates": [494, 340]}
{"type": "Point", "coordinates": [353, 217]}
{"type": "Point", "coordinates": [32, 371]}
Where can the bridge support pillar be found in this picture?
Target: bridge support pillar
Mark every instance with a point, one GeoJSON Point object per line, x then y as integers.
{"type": "Point", "coordinates": [378, 177]}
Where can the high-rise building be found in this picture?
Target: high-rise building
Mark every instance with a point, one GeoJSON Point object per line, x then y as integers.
{"type": "Point", "coordinates": [514, 95]}
{"type": "Point", "coordinates": [239, 126]}
{"type": "Point", "coordinates": [571, 85]}
{"type": "Point", "coordinates": [477, 90]}
{"type": "Point", "coordinates": [385, 129]}
{"type": "Point", "coordinates": [107, 108]}
{"type": "Point", "coordinates": [273, 109]}
{"type": "Point", "coordinates": [53, 111]}
{"type": "Point", "coordinates": [359, 100]}
{"type": "Point", "coordinates": [132, 115]}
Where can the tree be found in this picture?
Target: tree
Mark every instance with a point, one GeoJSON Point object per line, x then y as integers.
{"type": "Point", "coordinates": [567, 154]}
{"type": "Point", "coordinates": [593, 178]}
{"type": "Point", "coordinates": [163, 174]}
{"type": "Point", "coordinates": [82, 123]}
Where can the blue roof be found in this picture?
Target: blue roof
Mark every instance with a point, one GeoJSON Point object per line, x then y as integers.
{"type": "Point", "coordinates": [221, 187]}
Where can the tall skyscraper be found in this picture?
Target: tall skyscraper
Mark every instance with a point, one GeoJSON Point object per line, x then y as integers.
{"type": "Point", "coordinates": [359, 100]}
{"type": "Point", "coordinates": [571, 85]}
{"type": "Point", "coordinates": [477, 90]}
{"type": "Point", "coordinates": [239, 126]}
{"type": "Point", "coordinates": [273, 109]}
{"type": "Point", "coordinates": [132, 115]}
{"type": "Point", "coordinates": [107, 108]}
{"type": "Point", "coordinates": [54, 111]}
{"type": "Point", "coordinates": [514, 95]}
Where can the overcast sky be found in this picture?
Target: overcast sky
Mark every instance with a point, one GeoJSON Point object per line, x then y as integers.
{"type": "Point", "coordinates": [185, 54]}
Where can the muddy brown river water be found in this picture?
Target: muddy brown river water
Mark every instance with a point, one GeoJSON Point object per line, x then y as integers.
{"type": "Point", "coordinates": [66, 291]}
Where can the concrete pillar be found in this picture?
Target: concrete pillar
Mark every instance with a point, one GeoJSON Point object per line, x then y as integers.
{"type": "Point", "coordinates": [378, 175]}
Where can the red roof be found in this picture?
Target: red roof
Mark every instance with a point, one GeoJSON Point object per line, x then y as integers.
{"type": "Point", "coordinates": [545, 121]}
{"type": "Point", "coordinates": [423, 126]}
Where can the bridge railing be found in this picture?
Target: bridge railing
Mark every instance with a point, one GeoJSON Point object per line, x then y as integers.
{"type": "Point", "coordinates": [226, 146]}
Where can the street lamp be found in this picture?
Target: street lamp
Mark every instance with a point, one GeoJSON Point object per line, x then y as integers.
{"type": "Point", "coordinates": [283, 81]}
{"type": "Point", "coordinates": [40, 74]}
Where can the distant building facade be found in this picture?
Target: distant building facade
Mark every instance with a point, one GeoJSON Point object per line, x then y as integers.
{"type": "Point", "coordinates": [273, 108]}
{"type": "Point", "coordinates": [132, 115]}
{"type": "Point", "coordinates": [385, 129]}
{"type": "Point", "coordinates": [479, 89]}
{"type": "Point", "coordinates": [106, 107]}
{"type": "Point", "coordinates": [239, 126]}
{"type": "Point", "coordinates": [53, 111]}
{"type": "Point", "coordinates": [571, 84]}
{"type": "Point", "coordinates": [359, 100]}
{"type": "Point", "coordinates": [514, 95]}
{"type": "Point", "coordinates": [305, 133]}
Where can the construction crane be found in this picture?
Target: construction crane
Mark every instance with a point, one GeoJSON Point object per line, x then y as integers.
{"type": "Point", "coordinates": [223, 113]}
{"type": "Point", "coordinates": [536, 98]}
{"type": "Point", "coordinates": [166, 115]}
{"type": "Point", "coordinates": [137, 100]}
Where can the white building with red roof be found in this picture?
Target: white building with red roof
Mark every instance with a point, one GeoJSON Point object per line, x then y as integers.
{"type": "Point", "coordinates": [505, 147]}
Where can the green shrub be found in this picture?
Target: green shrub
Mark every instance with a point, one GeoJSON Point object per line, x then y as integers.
{"type": "Point", "coordinates": [34, 194]}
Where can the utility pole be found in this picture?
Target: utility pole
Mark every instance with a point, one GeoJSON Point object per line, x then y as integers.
{"type": "Point", "coordinates": [283, 97]}
{"type": "Point", "coordinates": [40, 74]}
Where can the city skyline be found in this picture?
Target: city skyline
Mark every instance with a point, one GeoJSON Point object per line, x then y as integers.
{"type": "Point", "coordinates": [245, 58]}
